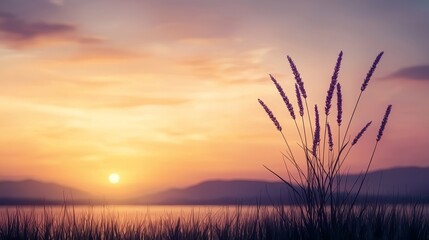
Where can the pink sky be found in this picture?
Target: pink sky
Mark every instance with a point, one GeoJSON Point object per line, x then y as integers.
{"type": "Point", "coordinates": [165, 92]}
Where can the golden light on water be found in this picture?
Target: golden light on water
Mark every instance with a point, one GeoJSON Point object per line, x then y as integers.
{"type": "Point", "coordinates": [114, 178]}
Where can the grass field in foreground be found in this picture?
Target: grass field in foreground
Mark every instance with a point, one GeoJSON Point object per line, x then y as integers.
{"type": "Point", "coordinates": [366, 222]}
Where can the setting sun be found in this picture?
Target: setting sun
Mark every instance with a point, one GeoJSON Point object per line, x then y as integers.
{"type": "Point", "coordinates": [114, 178]}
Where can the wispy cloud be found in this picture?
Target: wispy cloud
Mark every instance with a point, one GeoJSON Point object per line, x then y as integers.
{"type": "Point", "coordinates": [187, 21]}
{"type": "Point", "coordinates": [57, 2]}
{"type": "Point", "coordinates": [244, 67]}
{"type": "Point", "coordinates": [420, 72]}
{"type": "Point", "coordinates": [103, 54]}
{"type": "Point", "coordinates": [130, 102]}
{"type": "Point", "coordinates": [20, 29]}
{"type": "Point", "coordinates": [49, 105]}
{"type": "Point", "coordinates": [18, 32]}
{"type": "Point", "coordinates": [181, 31]}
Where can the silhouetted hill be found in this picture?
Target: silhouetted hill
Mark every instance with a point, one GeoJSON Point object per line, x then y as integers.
{"type": "Point", "coordinates": [390, 185]}
{"type": "Point", "coordinates": [403, 181]}
{"type": "Point", "coordinates": [222, 192]}
{"type": "Point", "coordinates": [28, 191]}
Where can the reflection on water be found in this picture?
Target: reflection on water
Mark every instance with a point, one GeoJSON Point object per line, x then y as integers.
{"type": "Point", "coordinates": [139, 213]}
{"type": "Point", "coordinates": [125, 213]}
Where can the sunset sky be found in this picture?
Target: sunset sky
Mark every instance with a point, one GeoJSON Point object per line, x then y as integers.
{"type": "Point", "coordinates": [165, 92]}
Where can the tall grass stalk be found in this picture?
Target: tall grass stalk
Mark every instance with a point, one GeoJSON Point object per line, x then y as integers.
{"type": "Point", "coordinates": [362, 89]}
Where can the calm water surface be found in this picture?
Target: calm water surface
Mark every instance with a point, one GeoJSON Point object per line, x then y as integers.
{"type": "Point", "coordinates": [130, 213]}
{"type": "Point", "coordinates": [126, 213]}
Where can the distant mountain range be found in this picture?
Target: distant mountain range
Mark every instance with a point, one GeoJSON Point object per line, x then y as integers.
{"type": "Point", "coordinates": [35, 192]}
{"type": "Point", "coordinates": [392, 185]}
{"type": "Point", "coordinates": [222, 192]}
{"type": "Point", "coordinates": [398, 182]}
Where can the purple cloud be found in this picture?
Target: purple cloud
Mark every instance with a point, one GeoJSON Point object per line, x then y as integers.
{"type": "Point", "coordinates": [19, 29]}
{"type": "Point", "coordinates": [420, 72]}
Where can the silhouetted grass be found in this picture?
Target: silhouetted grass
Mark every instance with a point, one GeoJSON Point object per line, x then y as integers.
{"type": "Point", "coordinates": [319, 185]}
{"type": "Point", "coordinates": [370, 222]}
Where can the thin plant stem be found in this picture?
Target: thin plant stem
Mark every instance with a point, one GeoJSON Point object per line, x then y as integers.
{"type": "Point", "coordinates": [299, 132]}
{"type": "Point", "coordinates": [339, 137]}
{"type": "Point", "coordinates": [365, 174]}
{"type": "Point", "coordinates": [305, 149]}
{"type": "Point", "coordinates": [309, 119]}
{"type": "Point", "coordinates": [351, 118]}
{"type": "Point", "coordinates": [287, 144]}
{"type": "Point", "coordinates": [324, 140]}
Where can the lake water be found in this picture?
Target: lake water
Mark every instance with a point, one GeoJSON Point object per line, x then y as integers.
{"type": "Point", "coordinates": [139, 213]}
{"type": "Point", "coordinates": [131, 213]}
